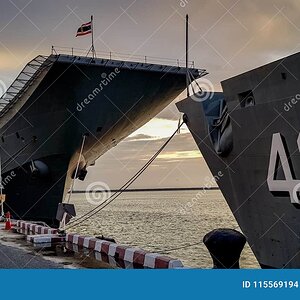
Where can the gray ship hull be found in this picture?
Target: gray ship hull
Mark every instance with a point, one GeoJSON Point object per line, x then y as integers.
{"type": "Point", "coordinates": [42, 131]}
{"type": "Point", "coordinates": [249, 137]}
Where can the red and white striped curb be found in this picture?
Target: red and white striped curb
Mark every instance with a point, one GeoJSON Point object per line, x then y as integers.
{"type": "Point", "coordinates": [111, 261]}
{"type": "Point", "coordinates": [49, 239]}
{"type": "Point", "coordinates": [124, 253]}
{"type": "Point", "coordinates": [35, 228]}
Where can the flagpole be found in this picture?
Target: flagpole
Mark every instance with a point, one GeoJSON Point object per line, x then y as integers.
{"type": "Point", "coordinates": [187, 55]}
{"type": "Point", "coordinates": [93, 47]}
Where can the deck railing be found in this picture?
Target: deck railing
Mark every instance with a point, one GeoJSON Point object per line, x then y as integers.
{"type": "Point", "coordinates": [24, 80]}
{"type": "Point", "coordinates": [56, 50]}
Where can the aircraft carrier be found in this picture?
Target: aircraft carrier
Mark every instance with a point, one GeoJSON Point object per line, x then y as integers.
{"type": "Point", "coordinates": [59, 103]}
{"type": "Point", "coordinates": [249, 137]}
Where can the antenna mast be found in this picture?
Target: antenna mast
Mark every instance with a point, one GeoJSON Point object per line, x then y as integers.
{"type": "Point", "coordinates": [187, 55]}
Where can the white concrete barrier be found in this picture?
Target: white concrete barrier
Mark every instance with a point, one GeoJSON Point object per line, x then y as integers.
{"type": "Point", "coordinates": [134, 256]}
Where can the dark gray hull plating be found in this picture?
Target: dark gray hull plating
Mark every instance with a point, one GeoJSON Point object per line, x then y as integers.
{"type": "Point", "coordinates": [260, 171]}
{"type": "Point", "coordinates": [105, 100]}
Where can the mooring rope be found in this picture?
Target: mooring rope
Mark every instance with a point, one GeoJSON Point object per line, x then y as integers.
{"type": "Point", "coordinates": [105, 203]}
{"type": "Point", "coordinates": [193, 79]}
{"type": "Point", "coordinates": [179, 248]}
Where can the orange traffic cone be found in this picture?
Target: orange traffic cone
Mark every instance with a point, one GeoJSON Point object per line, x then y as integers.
{"type": "Point", "coordinates": [8, 221]}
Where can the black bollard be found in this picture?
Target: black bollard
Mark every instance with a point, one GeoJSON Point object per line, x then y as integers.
{"type": "Point", "coordinates": [225, 247]}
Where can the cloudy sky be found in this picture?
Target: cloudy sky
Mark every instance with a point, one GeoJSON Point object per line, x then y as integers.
{"type": "Point", "coordinates": [227, 37]}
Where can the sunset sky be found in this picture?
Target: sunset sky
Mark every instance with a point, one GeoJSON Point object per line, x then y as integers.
{"type": "Point", "coordinates": [227, 37]}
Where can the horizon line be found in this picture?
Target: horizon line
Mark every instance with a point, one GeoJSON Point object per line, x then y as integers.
{"type": "Point", "coordinates": [149, 190]}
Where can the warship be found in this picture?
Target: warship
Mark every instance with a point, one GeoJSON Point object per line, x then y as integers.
{"type": "Point", "coordinates": [64, 111]}
{"type": "Point", "coordinates": [249, 133]}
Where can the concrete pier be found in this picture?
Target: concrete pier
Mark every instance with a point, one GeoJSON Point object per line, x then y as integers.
{"type": "Point", "coordinates": [17, 253]}
{"type": "Point", "coordinates": [30, 245]}
{"type": "Point", "coordinates": [13, 256]}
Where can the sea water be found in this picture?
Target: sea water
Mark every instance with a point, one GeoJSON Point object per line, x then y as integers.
{"type": "Point", "coordinates": [159, 221]}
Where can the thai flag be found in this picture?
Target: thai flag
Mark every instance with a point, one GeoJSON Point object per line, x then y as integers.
{"type": "Point", "coordinates": [84, 29]}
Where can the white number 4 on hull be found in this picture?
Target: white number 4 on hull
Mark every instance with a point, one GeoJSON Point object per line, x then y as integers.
{"type": "Point", "coordinates": [289, 184]}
